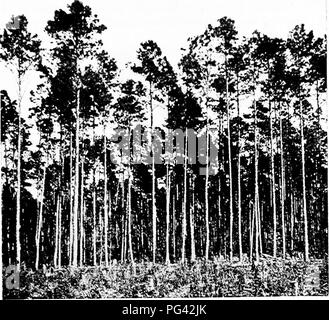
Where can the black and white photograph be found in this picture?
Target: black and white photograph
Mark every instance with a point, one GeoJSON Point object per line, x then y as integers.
{"type": "Point", "coordinates": [163, 150]}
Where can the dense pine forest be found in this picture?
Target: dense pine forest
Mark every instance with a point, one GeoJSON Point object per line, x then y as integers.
{"type": "Point", "coordinates": [245, 183]}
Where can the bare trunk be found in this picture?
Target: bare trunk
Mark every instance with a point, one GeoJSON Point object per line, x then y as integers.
{"type": "Point", "coordinates": [105, 202]}
{"type": "Point", "coordinates": [192, 221]}
{"type": "Point", "coordinates": [154, 213]}
{"type": "Point", "coordinates": [256, 213]}
{"type": "Point", "coordinates": [129, 206]}
{"type": "Point", "coordinates": [283, 188]}
{"type": "Point", "coordinates": [306, 257]}
{"type": "Point", "coordinates": [251, 232]}
{"type": "Point", "coordinates": [40, 218]}
{"type": "Point", "coordinates": [206, 190]}
{"type": "Point", "coordinates": [292, 222]}
{"type": "Point", "coordinates": [123, 223]}
{"type": "Point", "coordinates": [82, 213]}
{"type": "Point", "coordinates": [239, 176]}
{"type": "Point", "coordinates": [168, 214]}
{"type": "Point", "coordinates": [70, 247]}
{"type": "Point", "coordinates": [94, 201]}
{"type": "Point", "coordinates": [18, 198]}
{"type": "Point", "coordinates": [175, 195]}
{"type": "Point", "coordinates": [273, 187]}
{"type": "Point", "coordinates": [1, 242]}
{"type": "Point", "coordinates": [229, 159]}
{"type": "Point", "coordinates": [56, 232]}
{"type": "Point", "coordinates": [94, 227]}
{"type": "Point", "coordinates": [60, 233]}
{"type": "Point", "coordinates": [76, 189]}
{"type": "Point", "coordinates": [184, 207]}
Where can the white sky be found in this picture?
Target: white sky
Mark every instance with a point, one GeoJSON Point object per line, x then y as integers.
{"type": "Point", "coordinates": [171, 22]}
{"type": "Point", "coordinates": [168, 22]}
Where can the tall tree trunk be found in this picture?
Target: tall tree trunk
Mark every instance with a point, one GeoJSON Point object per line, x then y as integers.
{"type": "Point", "coordinates": [123, 224]}
{"type": "Point", "coordinates": [256, 213]}
{"type": "Point", "coordinates": [110, 219]}
{"type": "Point", "coordinates": [292, 222]}
{"type": "Point", "coordinates": [71, 236]}
{"type": "Point", "coordinates": [184, 207]}
{"type": "Point", "coordinates": [94, 198]}
{"type": "Point", "coordinates": [283, 188]}
{"type": "Point", "coordinates": [81, 213]}
{"type": "Point", "coordinates": [18, 198]}
{"type": "Point", "coordinates": [76, 189]}
{"type": "Point", "coordinates": [1, 242]}
{"type": "Point", "coordinates": [306, 257]}
{"type": "Point", "coordinates": [40, 218]}
{"type": "Point", "coordinates": [229, 158]}
{"type": "Point", "coordinates": [251, 232]}
{"type": "Point", "coordinates": [94, 225]}
{"type": "Point", "coordinates": [168, 214]}
{"type": "Point", "coordinates": [192, 219]}
{"type": "Point", "coordinates": [239, 174]}
{"type": "Point", "coordinates": [206, 189]}
{"type": "Point", "coordinates": [175, 196]}
{"type": "Point", "coordinates": [273, 186]}
{"type": "Point", "coordinates": [105, 202]}
{"type": "Point", "coordinates": [154, 212]}
{"type": "Point", "coordinates": [131, 255]}
{"type": "Point", "coordinates": [60, 232]}
{"type": "Point", "coordinates": [56, 231]}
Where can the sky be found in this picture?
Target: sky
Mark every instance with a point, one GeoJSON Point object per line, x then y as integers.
{"type": "Point", "coordinates": [168, 22]}
{"type": "Point", "coordinates": [171, 22]}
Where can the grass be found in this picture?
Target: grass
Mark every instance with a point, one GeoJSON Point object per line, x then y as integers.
{"type": "Point", "coordinates": [271, 277]}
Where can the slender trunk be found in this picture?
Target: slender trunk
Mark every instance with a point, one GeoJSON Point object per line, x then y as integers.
{"type": "Point", "coordinates": [81, 213]}
{"type": "Point", "coordinates": [273, 186]}
{"type": "Point", "coordinates": [175, 194]}
{"type": "Point", "coordinates": [251, 232]}
{"type": "Point", "coordinates": [192, 221]}
{"type": "Point", "coordinates": [18, 198]}
{"type": "Point", "coordinates": [71, 204]}
{"type": "Point", "coordinates": [219, 213]}
{"type": "Point", "coordinates": [184, 207]}
{"type": "Point", "coordinates": [1, 242]}
{"type": "Point", "coordinates": [131, 256]}
{"type": "Point", "coordinates": [61, 199]}
{"type": "Point", "coordinates": [229, 159]}
{"type": "Point", "coordinates": [110, 219]}
{"type": "Point", "coordinates": [292, 222]}
{"type": "Point", "coordinates": [105, 202]}
{"type": "Point", "coordinates": [56, 232]}
{"type": "Point", "coordinates": [76, 189]}
{"type": "Point", "coordinates": [306, 257]}
{"type": "Point", "coordinates": [60, 232]}
{"type": "Point", "coordinates": [168, 214]}
{"type": "Point", "coordinates": [283, 188]}
{"type": "Point", "coordinates": [154, 213]}
{"type": "Point", "coordinates": [94, 199]}
{"type": "Point", "coordinates": [256, 214]}
{"type": "Point", "coordinates": [239, 175]}
{"type": "Point", "coordinates": [123, 223]}
{"type": "Point", "coordinates": [94, 225]}
{"type": "Point", "coordinates": [206, 189]}
{"type": "Point", "coordinates": [129, 206]}
{"type": "Point", "coordinates": [259, 212]}
{"type": "Point", "coordinates": [40, 218]}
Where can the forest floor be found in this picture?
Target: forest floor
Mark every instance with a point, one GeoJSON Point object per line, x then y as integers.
{"type": "Point", "coordinates": [271, 277]}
